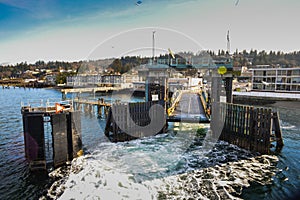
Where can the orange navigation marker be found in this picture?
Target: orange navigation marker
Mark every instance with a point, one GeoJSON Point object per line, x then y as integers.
{"type": "Point", "coordinates": [58, 108]}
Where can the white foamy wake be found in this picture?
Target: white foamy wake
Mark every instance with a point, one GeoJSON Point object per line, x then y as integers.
{"type": "Point", "coordinates": [98, 179]}
{"type": "Point", "coordinates": [224, 181]}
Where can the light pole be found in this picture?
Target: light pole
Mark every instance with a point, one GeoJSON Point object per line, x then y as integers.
{"type": "Point", "coordinates": [153, 46]}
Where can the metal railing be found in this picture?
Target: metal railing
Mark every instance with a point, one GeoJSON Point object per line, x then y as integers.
{"type": "Point", "coordinates": [46, 105]}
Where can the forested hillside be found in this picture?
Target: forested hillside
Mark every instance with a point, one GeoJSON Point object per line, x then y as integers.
{"type": "Point", "coordinates": [122, 65]}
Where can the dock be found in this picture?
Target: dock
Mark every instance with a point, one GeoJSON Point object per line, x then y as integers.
{"type": "Point", "coordinates": [245, 127]}
{"type": "Point", "coordinates": [127, 121]}
{"type": "Point", "coordinates": [91, 90]}
{"type": "Point", "coordinates": [64, 126]}
{"type": "Point", "coordinates": [275, 96]}
{"type": "Point", "coordinates": [251, 128]}
{"type": "Point", "coordinates": [89, 105]}
{"type": "Point", "coordinates": [190, 106]}
{"type": "Point", "coordinates": [99, 102]}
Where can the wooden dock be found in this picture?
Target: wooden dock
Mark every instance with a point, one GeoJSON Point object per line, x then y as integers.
{"type": "Point", "coordinates": [91, 89]}
{"type": "Point", "coordinates": [127, 121]}
{"type": "Point", "coordinates": [99, 102]}
{"type": "Point", "coordinates": [251, 128]}
{"type": "Point", "coordinates": [64, 127]}
{"type": "Point", "coordinates": [102, 106]}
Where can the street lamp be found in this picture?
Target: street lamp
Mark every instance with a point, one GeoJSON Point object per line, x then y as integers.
{"type": "Point", "coordinates": [153, 46]}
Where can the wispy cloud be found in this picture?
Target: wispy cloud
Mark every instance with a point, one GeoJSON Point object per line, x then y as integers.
{"type": "Point", "coordinates": [45, 24]}
{"type": "Point", "coordinates": [24, 4]}
{"type": "Point", "coordinates": [42, 9]}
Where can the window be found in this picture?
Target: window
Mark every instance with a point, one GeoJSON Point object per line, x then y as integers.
{"type": "Point", "coordinates": [281, 72]}
{"type": "Point", "coordinates": [258, 73]}
{"type": "Point", "coordinates": [271, 73]}
{"type": "Point", "coordinates": [296, 72]}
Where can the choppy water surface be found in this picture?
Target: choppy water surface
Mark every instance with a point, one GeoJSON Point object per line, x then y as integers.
{"type": "Point", "coordinates": [16, 180]}
{"type": "Point", "coordinates": [170, 165]}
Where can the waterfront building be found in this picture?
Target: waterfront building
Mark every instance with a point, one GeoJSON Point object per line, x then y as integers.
{"type": "Point", "coordinates": [276, 79]}
{"type": "Point", "coordinates": [94, 80]}
{"type": "Point", "coordinates": [130, 78]}
{"type": "Point", "coordinates": [111, 80]}
{"type": "Point", "coordinates": [83, 80]}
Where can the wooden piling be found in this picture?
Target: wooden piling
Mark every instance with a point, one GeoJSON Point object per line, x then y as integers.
{"type": "Point", "coordinates": [250, 128]}
{"type": "Point", "coordinates": [34, 140]}
{"type": "Point", "coordinates": [65, 130]}
{"type": "Point", "coordinates": [277, 130]}
{"type": "Point", "coordinates": [132, 117]}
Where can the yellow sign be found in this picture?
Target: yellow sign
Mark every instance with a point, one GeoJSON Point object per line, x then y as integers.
{"type": "Point", "coordinates": [222, 70]}
{"type": "Point", "coordinates": [171, 53]}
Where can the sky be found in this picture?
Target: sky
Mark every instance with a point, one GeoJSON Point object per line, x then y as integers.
{"type": "Point", "coordinates": [63, 30]}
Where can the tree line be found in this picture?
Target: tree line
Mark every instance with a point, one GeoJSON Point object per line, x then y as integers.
{"type": "Point", "coordinates": [273, 58]}
{"type": "Point", "coordinates": [124, 64]}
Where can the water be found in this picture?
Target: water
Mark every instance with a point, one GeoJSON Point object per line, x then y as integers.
{"type": "Point", "coordinates": [16, 180]}
{"type": "Point", "coordinates": [287, 180]}
{"type": "Point", "coordinates": [132, 168]}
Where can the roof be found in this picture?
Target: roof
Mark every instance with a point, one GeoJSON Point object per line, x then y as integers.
{"type": "Point", "coordinates": [158, 66]}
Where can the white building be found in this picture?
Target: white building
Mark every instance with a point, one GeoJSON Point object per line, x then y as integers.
{"type": "Point", "coordinates": [94, 80]}
{"type": "Point", "coordinates": [276, 79]}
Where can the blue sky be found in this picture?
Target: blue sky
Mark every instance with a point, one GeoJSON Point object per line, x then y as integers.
{"type": "Point", "coordinates": [21, 16]}
{"type": "Point", "coordinates": [32, 30]}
